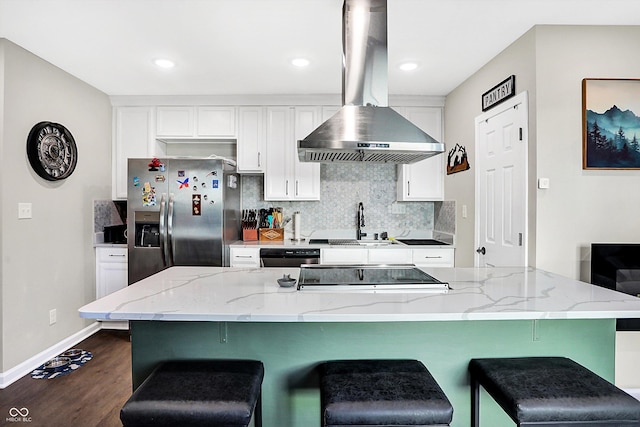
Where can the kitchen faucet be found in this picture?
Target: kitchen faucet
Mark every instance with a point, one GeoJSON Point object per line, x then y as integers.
{"type": "Point", "coordinates": [360, 222]}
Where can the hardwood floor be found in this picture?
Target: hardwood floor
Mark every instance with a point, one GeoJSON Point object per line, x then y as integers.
{"type": "Point", "coordinates": [88, 397]}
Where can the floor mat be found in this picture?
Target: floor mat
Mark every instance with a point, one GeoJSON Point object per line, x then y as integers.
{"type": "Point", "coordinates": [76, 362]}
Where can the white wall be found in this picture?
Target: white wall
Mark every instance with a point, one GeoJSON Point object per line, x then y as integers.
{"type": "Point", "coordinates": [2, 322]}
{"type": "Point", "coordinates": [581, 206]}
{"type": "Point", "coordinates": [47, 262]}
{"type": "Point", "coordinates": [462, 106]}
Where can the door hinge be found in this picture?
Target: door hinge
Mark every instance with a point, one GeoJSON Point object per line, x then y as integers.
{"type": "Point", "coordinates": [520, 133]}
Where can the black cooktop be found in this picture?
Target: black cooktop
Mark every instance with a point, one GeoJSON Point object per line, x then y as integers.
{"type": "Point", "coordinates": [424, 242]}
{"type": "Point", "coordinates": [412, 242]}
{"type": "Point", "coordinates": [367, 277]}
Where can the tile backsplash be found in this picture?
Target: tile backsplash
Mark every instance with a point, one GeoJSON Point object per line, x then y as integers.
{"type": "Point", "coordinates": [342, 187]}
{"type": "Point", "coordinates": [108, 212]}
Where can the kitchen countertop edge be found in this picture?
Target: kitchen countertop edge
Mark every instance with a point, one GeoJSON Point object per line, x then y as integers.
{"type": "Point", "coordinates": [306, 244]}
{"type": "Point", "coordinates": [253, 295]}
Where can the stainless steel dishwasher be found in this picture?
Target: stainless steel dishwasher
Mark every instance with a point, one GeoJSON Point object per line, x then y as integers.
{"type": "Point", "coordinates": [287, 257]}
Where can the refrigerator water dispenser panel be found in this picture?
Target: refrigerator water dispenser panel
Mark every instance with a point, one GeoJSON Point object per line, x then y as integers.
{"type": "Point", "coordinates": [147, 226]}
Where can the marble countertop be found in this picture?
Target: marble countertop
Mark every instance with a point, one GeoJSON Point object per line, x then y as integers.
{"type": "Point", "coordinates": [253, 295]}
{"type": "Point", "coordinates": [373, 244]}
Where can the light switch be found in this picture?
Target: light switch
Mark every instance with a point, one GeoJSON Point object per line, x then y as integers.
{"type": "Point", "coordinates": [24, 210]}
{"type": "Point", "coordinates": [464, 211]}
{"type": "Point", "coordinates": [543, 183]}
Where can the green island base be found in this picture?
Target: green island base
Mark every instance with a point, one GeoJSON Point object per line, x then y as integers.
{"type": "Point", "coordinates": [291, 352]}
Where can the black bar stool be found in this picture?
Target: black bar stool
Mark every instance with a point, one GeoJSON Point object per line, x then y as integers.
{"type": "Point", "coordinates": [381, 393]}
{"type": "Point", "coordinates": [215, 393]}
{"type": "Point", "coordinates": [550, 391]}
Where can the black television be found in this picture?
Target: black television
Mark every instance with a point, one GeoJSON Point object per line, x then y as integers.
{"type": "Point", "coordinates": [617, 266]}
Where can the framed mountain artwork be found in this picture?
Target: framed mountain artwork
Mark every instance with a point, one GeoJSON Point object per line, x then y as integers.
{"type": "Point", "coordinates": [610, 124]}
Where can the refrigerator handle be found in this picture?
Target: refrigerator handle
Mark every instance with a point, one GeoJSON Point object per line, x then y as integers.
{"type": "Point", "coordinates": [170, 230]}
{"type": "Point", "coordinates": [163, 228]}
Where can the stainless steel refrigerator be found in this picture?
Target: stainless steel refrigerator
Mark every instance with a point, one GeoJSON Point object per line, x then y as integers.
{"type": "Point", "coordinates": [180, 211]}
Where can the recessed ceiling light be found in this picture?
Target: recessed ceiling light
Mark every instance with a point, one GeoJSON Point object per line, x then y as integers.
{"type": "Point", "coordinates": [164, 63]}
{"type": "Point", "coordinates": [408, 66]}
{"type": "Point", "coordinates": [300, 62]}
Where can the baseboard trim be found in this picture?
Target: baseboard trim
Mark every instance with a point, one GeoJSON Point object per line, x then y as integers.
{"type": "Point", "coordinates": [14, 374]}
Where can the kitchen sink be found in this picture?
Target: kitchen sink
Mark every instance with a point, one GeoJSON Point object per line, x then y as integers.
{"type": "Point", "coordinates": [351, 242]}
{"type": "Point", "coordinates": [374, 243]}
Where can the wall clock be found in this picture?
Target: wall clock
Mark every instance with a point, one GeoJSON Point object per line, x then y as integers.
{"type": "Point", "coordinates": [52, 151]}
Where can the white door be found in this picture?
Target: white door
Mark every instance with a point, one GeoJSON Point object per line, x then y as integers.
{"type": "Point", "coordinates": [501, 185]}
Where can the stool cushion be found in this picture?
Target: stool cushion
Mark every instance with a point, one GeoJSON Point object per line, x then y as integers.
{"type": "Point", "coordinates": [381, 392]}
{"type": "Point", "coordinates": [196, 392]}
{"type": "Point", "coordinates": [537, 389]}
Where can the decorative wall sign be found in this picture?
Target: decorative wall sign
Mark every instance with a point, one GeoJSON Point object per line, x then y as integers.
{"type": "Point", "coordinates": [499, 93]}
{"type": "Point", "coordinates": [52, 151]}
{"type": "Point", "coordinates": [457, 160]}
{"type": "Point", "coordinates": [610, 124]}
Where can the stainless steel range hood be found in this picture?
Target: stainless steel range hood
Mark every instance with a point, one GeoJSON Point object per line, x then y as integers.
{"type": "Point", "coordinates": [366, 129]}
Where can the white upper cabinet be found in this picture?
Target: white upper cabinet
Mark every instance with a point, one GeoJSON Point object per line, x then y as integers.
{"type": "Point", "coordinates": [286, 178]}
{"type": "Point", "coordinates": [424, 180]}
{"type": "Point", "coordinates": [133, 135]}
{"type": "Point", "coordinates": [278, 182]}
{"type": "Point", "coordinates": [195, 122]}
{"type": "Point", "coordinates": [216, 122]}
{"type": "Point", "coordinates": [251, 144]}
{"type": "Point", "coordinates": [306, 175]}
{"type": "Point", "coordinates": [175, 122]}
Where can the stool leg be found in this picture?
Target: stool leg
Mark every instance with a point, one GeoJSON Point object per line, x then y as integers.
{"type": "Point", "coordinates": [257, 413]}
{"type": "Point", "coordinates": [475, 402]}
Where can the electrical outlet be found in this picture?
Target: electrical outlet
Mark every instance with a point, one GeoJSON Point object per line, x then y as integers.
{"type": "Point", "coordinates": [52, 316]}
{"type": "Point", "coordinates": [24, 210]}
{"type": "Point", "coordinates": [543, 183]}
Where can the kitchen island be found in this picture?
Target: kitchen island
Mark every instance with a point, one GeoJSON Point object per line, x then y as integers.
{"type": "Point", "coordinates": [216, 312]}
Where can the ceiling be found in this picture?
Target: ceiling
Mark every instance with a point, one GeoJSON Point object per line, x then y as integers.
{"type": "Point", "coordinates": [236, 47]}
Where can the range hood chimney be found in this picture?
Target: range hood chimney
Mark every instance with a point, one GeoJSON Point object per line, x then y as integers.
{"type": "Point", "coordinates": [365, 129]}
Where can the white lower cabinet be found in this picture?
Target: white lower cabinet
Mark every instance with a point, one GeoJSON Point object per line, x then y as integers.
{"type": "Point", "coordinates": [344, 256]}
{"type": "Point", "coordinates": [427, 257]}
{"type": "Point", "coordinates": [244, 257]}
{"type": "Point", "coordinates": [111, 270]}
{"type": "Point", "coordinates": [436, 257]}
{"type": "Point", "coordinates": [389, 256]}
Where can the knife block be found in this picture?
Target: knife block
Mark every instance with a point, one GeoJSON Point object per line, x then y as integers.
{"type": "Point", "coordinates": [249, 234]}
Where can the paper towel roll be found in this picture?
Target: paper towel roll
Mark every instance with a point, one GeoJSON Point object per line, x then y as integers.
{"type": "Point", "coordinates": [296, 226]}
